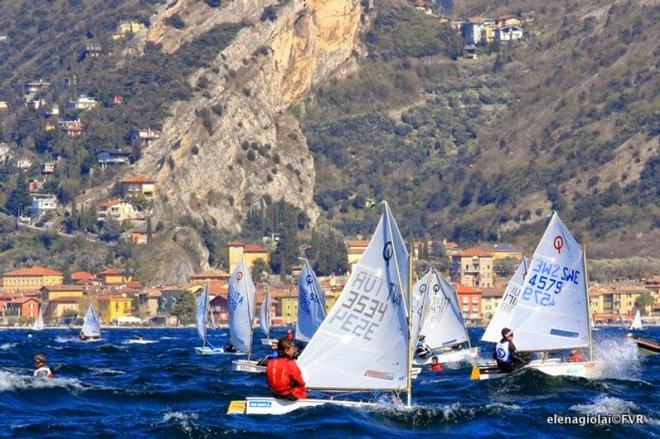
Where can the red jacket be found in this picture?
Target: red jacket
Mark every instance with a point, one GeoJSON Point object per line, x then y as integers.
{"type": "Point", "coordinates": [284, 379]}
{"type": "Point", "coordinates": [436, 367]}
{"type": "Point", "coordinates": [577, 358]}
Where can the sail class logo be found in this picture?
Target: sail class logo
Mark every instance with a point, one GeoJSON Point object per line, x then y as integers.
{"type": "Point", "coordinates": [558, 243]}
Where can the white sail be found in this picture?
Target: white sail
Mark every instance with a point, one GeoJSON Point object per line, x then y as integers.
{"type": "Point", "coordinates": [443, 324]}
{"type": "Point", "coordinates": [91, 325]}
{"type": "Point", "coordinates": [420, 298]}
{"type": "Point", "coordinates": [39, 322]}
{"type": "Point", "coordinates": [363, 342]}
{"type": "Point", "coordinates": [637, 321]}
{"type": "Point", "coordinates": [502, 317]}
{"type": "Point", "coordinates": [264, 314]}
{"type": "Point", "coordinates": [311, 304]}
{"type": "Point", "coordinates": [202, 313]}
{"type": "Point", "coordinates": [552, 311]}
{"type": "Point", "coordinates": [240, 304]}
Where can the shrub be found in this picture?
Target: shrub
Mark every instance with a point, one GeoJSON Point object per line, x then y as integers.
{"type": "Point", "coordinates": [251, 156]}
{"type": "Point", "coordinates": [269, 14]}
{"type": "Point", "coordinates": [175, 21]}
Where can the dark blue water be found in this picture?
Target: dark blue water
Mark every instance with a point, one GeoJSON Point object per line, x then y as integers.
{"type": "Point", "coordinates": [113, 389]}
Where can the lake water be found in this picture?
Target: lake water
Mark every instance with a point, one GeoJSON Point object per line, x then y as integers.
{"type": "Point", "coordinates": [113, 389]}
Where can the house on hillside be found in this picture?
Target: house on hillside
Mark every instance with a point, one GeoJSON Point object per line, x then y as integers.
{"type": "Point", "coordinates": [508, 33]}
{"type": "Point", "coordinates": [31, 278]}
{"type": "Point", "coordinates": [23, 163]}
{"type": "Point", "coordinates": [470, 51]}
{"type": "Point", "coordinates": [471, 31]}
{"type": "Point", "coordinates": [507, 20]}
{"type": "Point", "coordinates": [472, 267]}
{"type": "Point", "coordinates": [126, 28]}
{"type": "Point", "coordinates": [249, 253]}
{"type": "Point", "coordinates": [138, 186]}
{"type": "Point", "coordinates": [109, 157]}
{"type": "Point", "coordinates": [82, 103]}
{"type": "Point", "coordinates": [48, 168]}
{"type": "Point", "coordinates": [116, 209]}
{"type": "Point", "coordinates": [33, 87]}
{"type": "Point", "coordinates": [4, 106]}
{"type": "Point", "coordinates": [43, 203]}
{"type": "Point", "coordinates": [92, 50]}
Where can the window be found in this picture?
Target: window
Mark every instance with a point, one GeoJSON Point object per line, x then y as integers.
{"type": "Point", "coordinates": [465, 308]}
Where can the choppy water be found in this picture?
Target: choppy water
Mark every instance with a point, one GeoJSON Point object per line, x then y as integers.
{"type": "Point", "coordinates": [163, 389]}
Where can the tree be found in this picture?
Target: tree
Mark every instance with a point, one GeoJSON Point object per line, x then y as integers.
{"type": "Point", "coordinates": [328, 253]}
{"type": "Point", "coordinates": [111, 230]}
{"type": "Point", "coordinates": [184, 308]}
{"type": "Point", "coordinates": [286, 252]}
{"type": "Point", "coordinates": [505, 267]}
{"type": "Point", "coordinates": [644, 300]}
{"type": "Point", "coordinates": [18, 199]}
{"type": "Point", "coordinates": [259, 269]}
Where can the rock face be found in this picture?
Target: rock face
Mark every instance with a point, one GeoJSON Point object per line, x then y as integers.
{"type": "Point", "coordinates": [233, 143]}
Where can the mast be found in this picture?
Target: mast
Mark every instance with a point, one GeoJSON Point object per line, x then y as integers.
{"type": "Point", "coordinates": [250, 313]}
{"type": "Point", "coordinates": [205, 296]}
{"type": "Point", "coordinates": [586, 291]}
{"type": "Point", "coordinates": [410, 341]}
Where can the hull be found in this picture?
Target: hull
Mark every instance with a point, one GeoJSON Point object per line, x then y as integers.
{"type": "Point", "coordinates": [647, 346]}
{"type": "Point", "coordinates": [247, 366]}
{"type": "Point", "coordinates": [213, 351]}
{"type": "Point", "coordinates": [268, 341]}
{"type": "Point", "coordinates": [462, 356]}
{"type": "Point", "coordinates": [139, 341]}
{"type": "Point", "coordinates": [273, 406]}
{"type": "Point", "coordinates": [553, 367]}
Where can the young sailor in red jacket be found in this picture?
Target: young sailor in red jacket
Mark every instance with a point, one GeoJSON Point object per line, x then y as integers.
{"type": "Point", "coordinates": [284, 378]}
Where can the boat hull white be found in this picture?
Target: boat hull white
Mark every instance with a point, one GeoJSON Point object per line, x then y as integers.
{"type": "Point", "coordinates": [213, 351]}
{"type": "Point", "coordinates": [553, 367]}
{"type": "Point", "coordinates": [462, 356]}
{"type": "Point", "coordinates": [248, 366]}
{"type": "Point", "coordinates": [273, 406]}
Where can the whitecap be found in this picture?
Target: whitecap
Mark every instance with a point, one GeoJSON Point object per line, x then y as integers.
{"type": "Point", "coordinates": [605, 405]}
{"type": "Point", "coordinates": [10, 382]}
{"type": "Point", "coordinates": [7, 346]}
{"type": "Point", "coordinates": [617, 358]}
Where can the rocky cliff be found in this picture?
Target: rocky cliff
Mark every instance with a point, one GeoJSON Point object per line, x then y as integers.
{"type": "Point", "coordinates": [232, 144]}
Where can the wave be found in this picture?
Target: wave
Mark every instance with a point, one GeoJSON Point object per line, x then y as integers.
{"type": "Point", "coordinates": [605, 405]}
{"type": "Point", "coordinates": [617, 357]}
{"type": "Point", "coordinates": [7, 346]}
{"type": "Point", "coordinates": [10, 382]}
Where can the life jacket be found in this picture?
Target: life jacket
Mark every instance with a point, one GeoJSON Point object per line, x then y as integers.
{"type": "Point", "coordinates": [577, 358]}
{"type": "Point", "coordinates": [502, 352]}
{"type": "Point", "coordinates": [436, 367]}
{"type": "Point", "coordinates": [43, 372]}
{"type": "Point", "coordinates": [284, 379]}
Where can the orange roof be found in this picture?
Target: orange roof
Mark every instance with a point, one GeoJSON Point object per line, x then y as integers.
{"type": "Point", "coordinates": [82, 275]}
{"type": "Point", "coordinates": [136, 285]}
{"type": "Point", "coordinates": [472, 252]}
{"type": "Point", "coordinates": [137, 179]}
{"type": "Point", "coordinates": [24, 299]}
{"type": "Point", "coordinates": [109, 203]}
{"type": "Point", "coordinates": [209, 274]}
{"type": "Point", "coordinates": [465, 289]}
{"type": "Point", "coordinates": [64, 288]}
{"type": "Point", "coordinates": [218, 288]}
{"type": "Point", "coordinates": [111, 272]}
{"type": "Point", "coordinates": [252, 248]}
{"type": "Point", "coordinates": [356, 243]}
{"type": "Point", "coordinates": [33, 271]}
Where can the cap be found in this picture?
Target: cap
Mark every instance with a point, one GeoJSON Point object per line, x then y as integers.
{"type": "Point", "coordinates": [506, 331]}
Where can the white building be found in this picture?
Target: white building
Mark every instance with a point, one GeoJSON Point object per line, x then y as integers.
{"type": "Point", "coordinates": [43, 203]}
{"type": "Point", "coordinates": [83, 103]}
{"type": "Point", "coordinates": [23, 164]}
{"type": "Point", "coordinates": [508, 33]}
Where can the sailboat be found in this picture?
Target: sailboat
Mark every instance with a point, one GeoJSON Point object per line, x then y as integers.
{"type": "Point", "coordinates": [240, 303]}
{"type": "Point", "coordinates": [363, 345]}
{"type": "Point", "coordinates": [91, 329]}
{"type": "Point", "coordinates": [637, 321]}
{"type": "Point", "coordinates": [442, 324]}
{"type": "Point", "coordinates": [311, 304]}
{"type": "Point", "coordinates": [38, 324]}
{"type": "Point", "coordinates": [265, 320]}
{"type": "Point", "coordinates": [546, 304]}
{"type": "Point", "coordinates": [252, 366]}
{"type": "Point", "coordinates": [201, 321]}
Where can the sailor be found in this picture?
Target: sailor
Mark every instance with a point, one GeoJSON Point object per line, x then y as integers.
{"type": "Point", "coordinates": [435, 365]}
{"type": "Point", "coordinates": [40, 368]}
{"type": "Point", "coordinates": [422, 350]}
{"type": "Point", "coordinates": [82, 336]}
{"type": "Point", "coordinates": [575, 356]}
{"type": "Point", "coordinates": [289, 335]}
{"type": "Point", "coordinates": [273, 354]}
{"type": "Point", "coordinates": [283, 375]}
{"type": "Point", "coordinates": [505, 353]}
{"type": "Point", "coordinates": [230, 348]}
